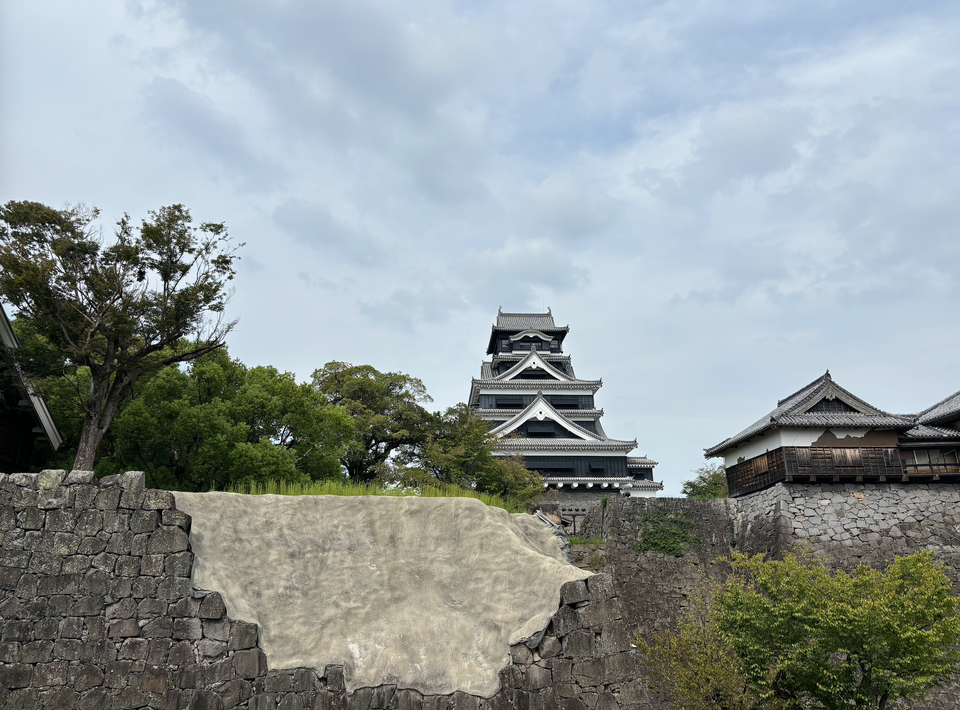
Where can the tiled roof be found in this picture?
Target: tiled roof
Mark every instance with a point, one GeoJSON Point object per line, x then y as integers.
{"type": "Point", "coordinates": [564, 444]}
{"type": "Point", "coordinates": [534, 360]}
{"type": "Point", "coordinates": [538, 384]}
{"type": "Point", "coordinates": [640, 462]}
{"type": "Point", "coordinates": [945, 410]}
{"type": "Point", "coordinates": [486, 371]}
{"type": "Point", "coordinates": [542, 409]}
{"type": "Point", "coordinates": [525, 321]}
{"type": "Point", "coordinates": [513, 357]}
{"type": "Point", "coordinates": [571, 413]}
{"type": "Point", "coordinates": [793, 411]}
{"type": "Point", "coordinates": [928, 431]}
{"type": "Point", "coordinates": [843, 419]}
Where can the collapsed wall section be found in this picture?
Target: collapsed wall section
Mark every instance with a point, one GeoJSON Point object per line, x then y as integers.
{"type": "Point", "coordinates": [98, 611]}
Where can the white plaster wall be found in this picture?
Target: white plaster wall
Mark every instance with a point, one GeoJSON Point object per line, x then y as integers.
{"type": "Point", "coordinates": [785, 437]}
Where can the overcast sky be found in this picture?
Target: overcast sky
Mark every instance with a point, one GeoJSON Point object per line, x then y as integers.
{"type": "Point", "coordinates": [721, 199]}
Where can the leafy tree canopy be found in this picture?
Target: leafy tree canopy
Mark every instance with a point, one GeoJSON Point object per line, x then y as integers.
{"type": "Point", "coordinates": [151, 297]}
{"type": "Point", "coordinates": [860, 639]}
{"type": "Point", "coordinates": [790, 634]}
{"type": "Point", "coordinates": [457, 448]}
{"type": "Point", "coordinates": [386, 411]}
{"type": "Point", "coordinates": [710, 482]}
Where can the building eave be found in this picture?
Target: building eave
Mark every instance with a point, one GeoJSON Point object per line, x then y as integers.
{"type": "Point", "coordinates": [40, 409]}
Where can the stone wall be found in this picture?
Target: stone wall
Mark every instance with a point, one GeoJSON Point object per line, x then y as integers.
{"type": "Point", "coordinates": [97, 607]}
{"type": "Point", "coordinates": [853, 523]}
{"type": "Point", "coordinates": [98, 611]}
{"type": "Point", "coordinates": [848, 524]}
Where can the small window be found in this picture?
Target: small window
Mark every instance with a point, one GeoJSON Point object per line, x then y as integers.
{"type": "Point", "coordinates": [554, 344]}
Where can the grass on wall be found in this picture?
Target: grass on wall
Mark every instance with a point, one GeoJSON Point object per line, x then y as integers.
{"type": "Point", "coordinates": [667, 534]}
{"type": "Point", "coordinates": [346, 488]}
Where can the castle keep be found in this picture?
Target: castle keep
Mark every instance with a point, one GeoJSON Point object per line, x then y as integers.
{"type": "Point", "coordinates": [539, 409]}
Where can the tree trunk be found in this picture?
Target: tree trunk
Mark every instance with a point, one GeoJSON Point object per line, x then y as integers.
{"type": "Point", "coordinates": [107, 391]}
{"type": "Point", "coordinates": [90, 440]}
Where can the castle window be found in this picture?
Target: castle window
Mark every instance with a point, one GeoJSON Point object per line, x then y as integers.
{"type": "Point", "coordinates": [544, 430]}
{"type": "Point", "coordinates": [930, 461]}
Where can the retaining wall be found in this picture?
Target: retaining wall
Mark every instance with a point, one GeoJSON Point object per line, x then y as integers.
{"type": "Point", "coordinates": [848, 524]}
{"type": "Point", "coordinates": [98, 611]}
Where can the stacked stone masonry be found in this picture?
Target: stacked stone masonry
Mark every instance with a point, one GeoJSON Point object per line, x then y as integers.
{"type": "Point", "coordinates": [98, 612]}
{"type": "Point", "coordinates": [846, 523]}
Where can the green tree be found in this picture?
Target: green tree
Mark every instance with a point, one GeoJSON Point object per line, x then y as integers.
{"type": "Point", "coordinates": [695, 664]}
{"type": "Point", "coordinates": [457, 448]}
{"type": "Point", "coordinates": [386, 411]}
{"type": "Point", "coordinates": [863, 639]}
{"type": "Point", "coordinates": [710, 482]}
{"type": "Point", "coordinates": [220, 423]}
{"type": "Point", "coordinates": [152, 297]}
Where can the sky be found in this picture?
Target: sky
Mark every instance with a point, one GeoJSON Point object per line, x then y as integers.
{"type": "Point", "coordinates": [721, 199]}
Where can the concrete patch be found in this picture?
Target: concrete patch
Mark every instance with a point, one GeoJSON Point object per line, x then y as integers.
{"type": "Point", "coordinates": [426, 593]}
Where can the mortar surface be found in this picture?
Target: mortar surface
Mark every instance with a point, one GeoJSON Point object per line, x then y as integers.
{"type": "Point", "coordinates": [425, 593]}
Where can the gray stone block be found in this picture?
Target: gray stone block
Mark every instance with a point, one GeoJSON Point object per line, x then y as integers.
{"type": "Point", "coordinates": [75, 478]}
{"type": "Point", "coordinates": [49, 479]}
{"type": "Point", "coordinates": [107, 499]}
{"type": "Point", "coordinates": [549, 647]}
{"type": "Point", "coordinates": [212, 607]}
{"type": "Point", "coordinates": [210, 648]}
{"type": "Point", "coordinates": [178, 565]}
{"type": "Point", "coordinates": [242, 636]}
{"type": "Point", "coordinates": [187, 628]}
{"type": "Point", "coordinates": [152, 565]}
{"type": "Point", "coordinates": [166, 540]}
{"type": "Point", "coordinates": [154, 499]}
{"type": "Point", "coordinates": [134, 649]}
{"type": "Point", "coordinates": [182, 653]}
{"type": "Point", "coordinates": [32, 652]}
{"type": "Point", "coordinates": [144, 521]}
{"type": "Point", "coordinates": [53, 673]}
{"type": "Point", "coordinates": [537, 678]}
{"type": "Point", "coordinates": [601, 587]}
{"type": "Point", "coordinates": [171, 588]}
{"type": "Point", "coordinates": [155, 679]}
{"type": "Point", "coordinates": [217, 630]}
{"type": "Point", "coordinates": [188, 606]}
{"type": "Point", "coordinates": [125, 628]}
{"type": "Point", "coordinates": [176, 517]}
{"type": "Point", "coordinates": [85, 676]}
{"type": "Point", "coordinates": [158, 628]}
{"type": "Point", "coordinates": [249, 663]}
{"type": "Point", "coordinates": [574, 592]}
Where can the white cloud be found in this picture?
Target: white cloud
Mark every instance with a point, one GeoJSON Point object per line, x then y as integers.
{"type": "Point", "coordinates": [745, 193]}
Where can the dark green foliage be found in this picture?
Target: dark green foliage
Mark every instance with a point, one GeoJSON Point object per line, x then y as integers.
{"type": "Point", "coordinates": [457, 449]}
{"type": "Point", "coordinates": [667, 534]}
{"type": "Point", "coordinates": [121, 310]}
{"type": "Point", "coordinates": [710, 482]}
{"type": "Point", "coordinates": [811, 638]}
{"type": "Point", "coordinates": [386, 411]}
